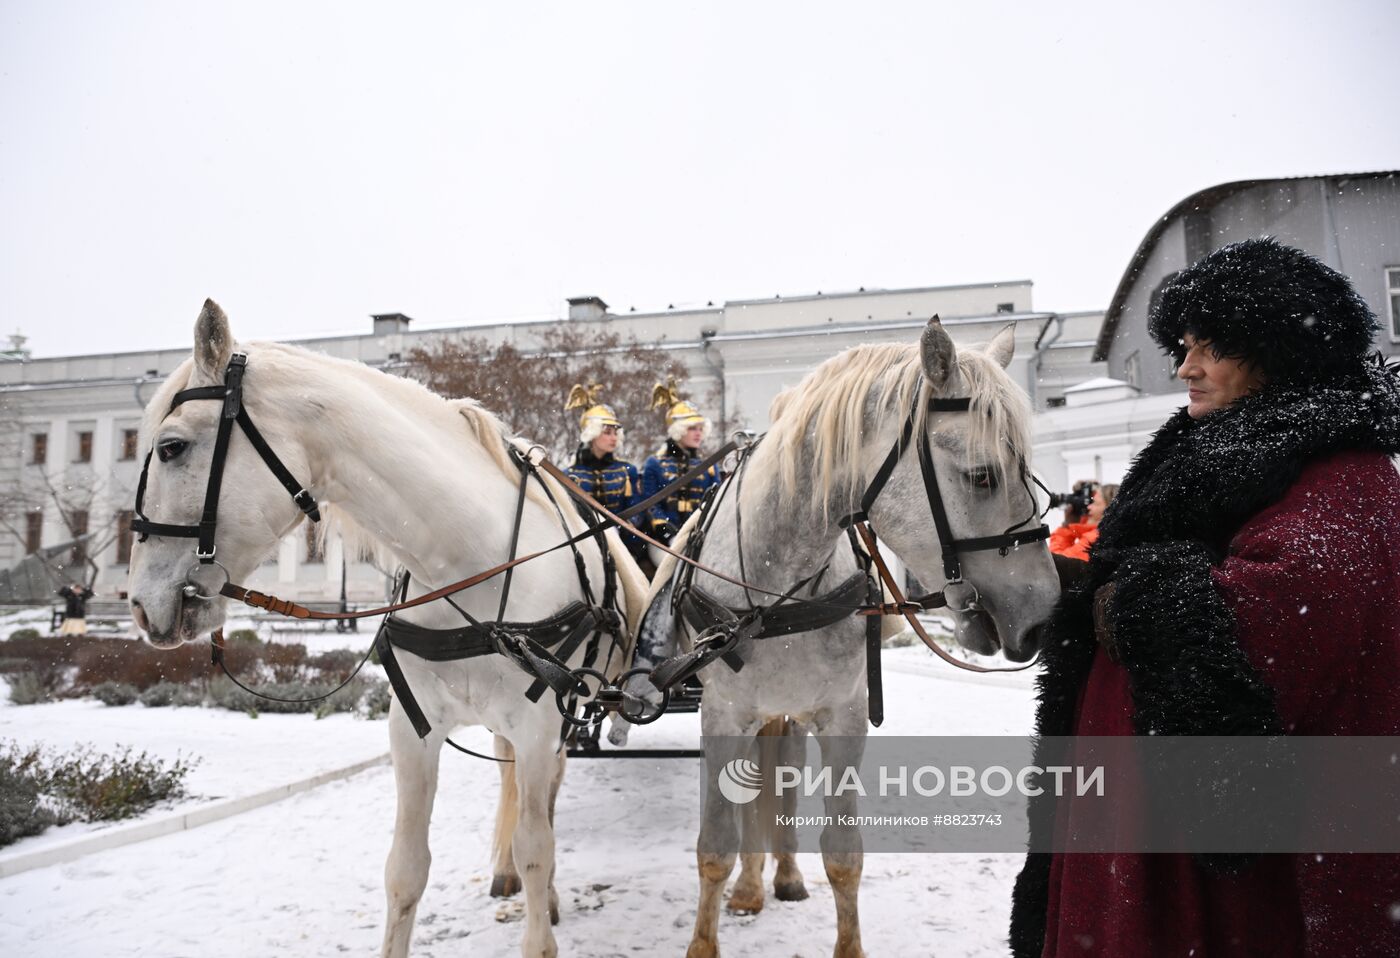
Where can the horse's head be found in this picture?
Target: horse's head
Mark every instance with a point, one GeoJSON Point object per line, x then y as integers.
{"type": "Point", "coordinates": [979, 459]}
{"type": "Point", "coordinates": [174, 591]}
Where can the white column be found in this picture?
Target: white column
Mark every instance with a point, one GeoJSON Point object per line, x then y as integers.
{"type": "Point", "coordinates": [287, 557]}
{"type": "Point", "coordinates": [335, 548]}
{"type": "Point", "coordinates": [55, 462]}
{"type": "Point", "coordinates": [101, 516]}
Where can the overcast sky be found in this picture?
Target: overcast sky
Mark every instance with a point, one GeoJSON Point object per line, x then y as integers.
{"type": "Point", "coordinates": [307, 164]}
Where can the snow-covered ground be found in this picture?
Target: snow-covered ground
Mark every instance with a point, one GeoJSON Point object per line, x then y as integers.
{"type": "Point", "coordinates": [303, 876]}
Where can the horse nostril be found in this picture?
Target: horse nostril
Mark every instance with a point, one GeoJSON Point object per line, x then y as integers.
{"type": "Point", "coordinates": [139, 614]}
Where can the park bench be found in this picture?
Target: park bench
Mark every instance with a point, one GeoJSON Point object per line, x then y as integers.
{"type": "Point", "coordinates": [107, 614]}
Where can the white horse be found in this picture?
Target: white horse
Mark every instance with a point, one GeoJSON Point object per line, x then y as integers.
{"type": "Point", "coordinates": [830, 435]}
{"type": "Point", "coordinates": [427, 481]}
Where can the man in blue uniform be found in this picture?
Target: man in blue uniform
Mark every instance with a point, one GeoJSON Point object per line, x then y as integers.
{"type": "Point", "coordinates": [686, 431]}
{"type": "Point", "coordinates": [612, 481]}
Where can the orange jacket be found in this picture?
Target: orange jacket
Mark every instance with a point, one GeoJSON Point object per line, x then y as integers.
{"type": "Point", "coordinates": [1074, 539]}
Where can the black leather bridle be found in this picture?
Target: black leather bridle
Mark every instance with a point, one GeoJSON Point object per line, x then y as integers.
{"type": "Point", "coordinates": [231, 395]}
{"type": "Point", "coordinates": [951, 547]}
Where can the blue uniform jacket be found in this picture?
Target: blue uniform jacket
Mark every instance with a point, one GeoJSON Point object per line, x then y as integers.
{"type": "Point", "coordinates": [613, 482]}
{"type": "Point", "coordinates": [661, 469]}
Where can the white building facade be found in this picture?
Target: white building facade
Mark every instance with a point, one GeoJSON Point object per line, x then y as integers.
{"type": "Point", "coordinates": [70, 422]}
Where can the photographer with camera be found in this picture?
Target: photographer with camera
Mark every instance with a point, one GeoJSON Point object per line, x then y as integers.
{"type": "Point", "coordinates": [1074, 538]}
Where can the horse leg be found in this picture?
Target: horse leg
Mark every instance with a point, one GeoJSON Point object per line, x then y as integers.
{"type": "Point", "coordinates": [843, 743]}
{"type": "Point", "coordinates": [787, 883]}
{"type": "Point", "coordinates": [561, 757]}
{"type": "Point", "coordinates": [746, 898]}
{"type": "Point", "coordinates": [758, 824]}
{"type": "Point", "coordinates": [719, 836]}
{"type": "Point", "coordinates": [536, 768]}
{"type": "Point", "coordinates": [406, 871]}
{"type": "Point", "coordinates": [505, 881]}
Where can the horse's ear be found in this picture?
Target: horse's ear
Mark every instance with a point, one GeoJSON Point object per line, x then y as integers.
{"type": "Point", "coordinates": [937, 352]}
{"type": "Point", "coordinates": [213, 343]}
{"type": "Point", "coordinates": [1003, 345]}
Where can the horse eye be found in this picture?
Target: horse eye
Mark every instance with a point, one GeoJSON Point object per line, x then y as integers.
{"type": "Point", "coordinates": [981, 478]}
{"type": "Point", "coordinates": [170, 448]}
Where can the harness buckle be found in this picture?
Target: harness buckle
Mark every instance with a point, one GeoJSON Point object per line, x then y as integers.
{"type": "Point", "coordinates": [306, 502]}
{"type": "Point", "coordinates": [206, 556]}
{"type": "Point", "coordinates": [233, 383]}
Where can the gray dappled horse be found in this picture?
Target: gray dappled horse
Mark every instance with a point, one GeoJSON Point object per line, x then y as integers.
{"type": "Point", "coordinates": [828, 438]}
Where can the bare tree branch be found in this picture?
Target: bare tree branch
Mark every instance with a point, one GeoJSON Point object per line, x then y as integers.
{"type": "Point", "coordinates": [528, 388]}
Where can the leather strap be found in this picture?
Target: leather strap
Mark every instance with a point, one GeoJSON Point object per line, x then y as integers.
{"type": "Point", "coordinates": [873, 549]}
{"type": "Point", "coordinates": [260, 600]}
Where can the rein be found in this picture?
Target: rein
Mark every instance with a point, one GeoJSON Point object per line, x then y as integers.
{"type": "Point", "coordinates": [717, 642]}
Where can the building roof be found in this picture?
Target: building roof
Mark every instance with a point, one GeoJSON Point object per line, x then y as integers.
{"type": "Point", "coordinates": [1103, 382]}
{"type": "Point", "coordinates": [1204, 199]}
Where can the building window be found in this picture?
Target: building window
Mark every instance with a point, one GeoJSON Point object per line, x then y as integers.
{"type": "Point", "coordinates": [78, 525]}
{"type": "Point", "coordinates": [1132, 369]}
{"type": "Point", "coordinates": [1392, 296]}
{"type": "Point", "coordinates": [124, 535]}
{"type": "Point", "coordinates": [1006, 307]}
{"type": "Point", "coordinates": [128, 444]}
{"type": "Point", "coordinates": [39, 449]}
{"type": "Point", "coordinates": [313, 548]}
{"type": "Point", "coordinates": [84, 447]}
{"type": "Point", "coordinates": [33, 531]}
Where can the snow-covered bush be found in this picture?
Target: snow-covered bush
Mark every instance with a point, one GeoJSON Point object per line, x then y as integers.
{"type": "Point", "coordinates": [37, 790]}
{"type": "Point", "coordinates": [165, 694]}
{"type": "Point", "coordinates": [97, 788]}
{"type": "Point", "coordinates": [23, 811]}
{"type": "Point", "coordinates": [374, 704]}
{"type": "Point", "coordinates": [40, 683]}
{"type": "Point", "coordinates": [115, 693]}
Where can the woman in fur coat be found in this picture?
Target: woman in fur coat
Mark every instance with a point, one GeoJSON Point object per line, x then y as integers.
{"type": "Point", "coordinates": [1244, 582]}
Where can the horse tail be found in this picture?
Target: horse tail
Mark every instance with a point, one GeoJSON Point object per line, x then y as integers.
{"type": "Point", "coordinates": [656, 638]}
{"type": "Point", "coordinates": [780, 742]}
{"type": "Point", "coordinates": [504, 879]}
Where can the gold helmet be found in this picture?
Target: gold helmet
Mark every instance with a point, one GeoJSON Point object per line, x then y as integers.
{"type": "Point", "coordinates": [595, 416]}
{"type": "Point", "coordinates": [680, 415]}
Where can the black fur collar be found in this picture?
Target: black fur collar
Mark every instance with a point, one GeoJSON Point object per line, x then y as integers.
{"type": "Point", "coordinates": [584, 459]}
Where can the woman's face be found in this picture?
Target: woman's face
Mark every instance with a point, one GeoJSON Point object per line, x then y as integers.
{"type": "Point", "coordinates": [606, 442]}
{"type": "Point", "coordinates": [692, 437]}
{"type": "Point", "coordinates": [1213, 383]}
{"type": "Point", "coordinates": [1096, 507]}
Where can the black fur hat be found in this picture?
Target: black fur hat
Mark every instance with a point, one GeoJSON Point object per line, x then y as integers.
{"type": "Point", "coordinates": [1276, 307]}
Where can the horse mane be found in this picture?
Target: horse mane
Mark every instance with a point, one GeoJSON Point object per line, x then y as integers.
{"type": "Point", "coordinates": [822, 420]}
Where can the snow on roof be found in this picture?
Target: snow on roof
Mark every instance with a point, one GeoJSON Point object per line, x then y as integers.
{"type": "Point", "coordinates": [1103, 382]}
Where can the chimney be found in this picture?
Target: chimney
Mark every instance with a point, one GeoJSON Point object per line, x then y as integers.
{"type": "Point", "coordinates": [387, 324]}
{"type": "Point", "coordinates": [585, 308]}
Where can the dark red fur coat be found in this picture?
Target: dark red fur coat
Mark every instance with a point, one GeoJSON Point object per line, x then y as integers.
{"type": "Point", "coordinates": [1256, 561]}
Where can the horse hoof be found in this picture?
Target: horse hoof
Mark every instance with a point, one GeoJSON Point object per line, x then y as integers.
{"type": "Point", "coordinates": [554, 914]}
{"type": "Point", "coordinates": [790, 891]}
{"type": "Point", "coordinates": [744, 903]}
{"type": "Point", "coordinates": [504, 886]}
{"type": "Point", "coordinates": [702, 949]}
